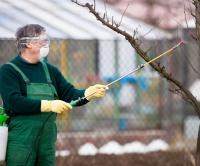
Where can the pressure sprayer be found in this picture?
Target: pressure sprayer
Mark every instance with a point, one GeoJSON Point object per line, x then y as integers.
{"type": "Point", "coordinates": [73, 103]}
{"type": "Point", "coordinates": [3, 134]}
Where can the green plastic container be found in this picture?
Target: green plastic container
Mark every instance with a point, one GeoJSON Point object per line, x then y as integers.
{"type": "Point", "coordinates": [3, 117]}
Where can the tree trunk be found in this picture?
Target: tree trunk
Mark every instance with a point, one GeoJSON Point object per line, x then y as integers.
{"type": "Point", "coordinates": [197, 5]}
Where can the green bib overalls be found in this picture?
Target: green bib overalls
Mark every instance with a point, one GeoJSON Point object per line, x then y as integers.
{"type": "Point", "coordinates": [23, 130]}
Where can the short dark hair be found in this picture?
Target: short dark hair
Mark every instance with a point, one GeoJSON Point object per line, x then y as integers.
{"type": "Point", "coordinates": [29, 30]}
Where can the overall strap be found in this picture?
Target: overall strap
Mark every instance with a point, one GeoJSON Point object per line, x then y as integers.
{"type": "Point", "coordinates": [27, 81]}
{"type": "Point", "coordinates": [49, 82]}
{"type": "Point", "coordinates": [47, 73]}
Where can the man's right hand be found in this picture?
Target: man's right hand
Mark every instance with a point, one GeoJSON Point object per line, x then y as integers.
{"type": "Point", "coordinates": [56, 106]}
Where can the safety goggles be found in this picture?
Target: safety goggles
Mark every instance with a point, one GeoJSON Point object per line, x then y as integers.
{"type": "Point", "coordinates": [43, 39]}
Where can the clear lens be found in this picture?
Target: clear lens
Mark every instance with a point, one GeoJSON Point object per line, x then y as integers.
{"type": "Point", "coordinates": [43, 39]}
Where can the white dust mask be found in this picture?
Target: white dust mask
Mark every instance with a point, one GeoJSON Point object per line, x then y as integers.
{"type": "Point", "coordinates": [43, 53]}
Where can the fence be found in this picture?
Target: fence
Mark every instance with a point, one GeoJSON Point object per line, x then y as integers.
{"type": "Point", "coordinates": [137, 108]}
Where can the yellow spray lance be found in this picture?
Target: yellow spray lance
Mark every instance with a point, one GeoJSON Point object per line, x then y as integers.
{"type": "Point", "coordinates": [3, 134]}
{"type": "Point", "coordinates": [73, 103]}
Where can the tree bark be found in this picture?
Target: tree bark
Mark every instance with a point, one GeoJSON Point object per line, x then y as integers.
{"type": "Point", "coordinates": [197, 17]}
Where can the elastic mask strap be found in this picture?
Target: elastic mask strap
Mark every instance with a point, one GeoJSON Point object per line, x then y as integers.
{"type": "Point", "coordinates": [27, 81]}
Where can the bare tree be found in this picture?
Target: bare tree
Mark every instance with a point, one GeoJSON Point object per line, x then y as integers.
{"type": "Point", "coordinates": [177, 87]}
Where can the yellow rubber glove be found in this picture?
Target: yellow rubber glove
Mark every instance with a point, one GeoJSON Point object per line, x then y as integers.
{"type": "Point", "coordinates": [56, 106]}
{"type": "Point", "coordinates": [101, 89]}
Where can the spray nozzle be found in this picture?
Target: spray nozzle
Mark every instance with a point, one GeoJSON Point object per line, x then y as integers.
{"type": "Point", "coordinates": [181, 42]}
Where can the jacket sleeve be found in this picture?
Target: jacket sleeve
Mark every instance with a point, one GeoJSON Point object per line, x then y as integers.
{"type": "Point", "coordinates": [67, 92]}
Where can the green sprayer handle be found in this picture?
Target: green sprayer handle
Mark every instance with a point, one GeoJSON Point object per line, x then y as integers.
{"type": "Point", "coordinates": [73, 104]}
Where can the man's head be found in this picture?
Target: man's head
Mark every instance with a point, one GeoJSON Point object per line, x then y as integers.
{"type": "Point", "coordinates": [33, 39]}
{"type": "Point", "coordinates": [30, 30]}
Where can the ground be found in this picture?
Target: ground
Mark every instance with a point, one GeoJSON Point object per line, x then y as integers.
{"type": "Point", "coordinates": [150, 159]}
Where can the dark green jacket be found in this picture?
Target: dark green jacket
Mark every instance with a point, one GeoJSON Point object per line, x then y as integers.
{"type": "Point", "coordinates": [13, 87]}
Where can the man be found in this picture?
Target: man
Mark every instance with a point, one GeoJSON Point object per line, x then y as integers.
{"type": "Point", "coordinates": [33, 92]}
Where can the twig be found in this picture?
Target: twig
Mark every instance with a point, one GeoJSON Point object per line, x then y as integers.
{"type": "Point", "coordinates": [149, 30]}
{"type": "Point", "coordinates": [123, 14]}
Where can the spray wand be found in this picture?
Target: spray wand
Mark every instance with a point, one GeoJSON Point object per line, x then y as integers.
{"type": "Point", "coordinates": [73, 103]}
